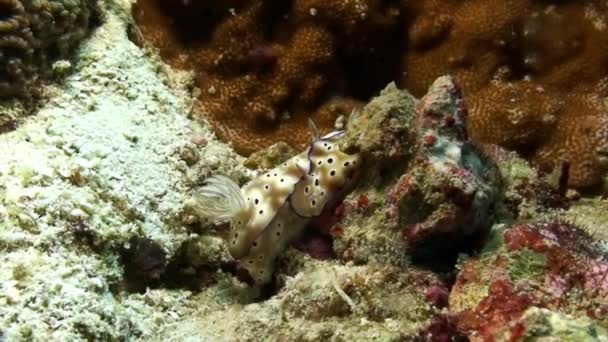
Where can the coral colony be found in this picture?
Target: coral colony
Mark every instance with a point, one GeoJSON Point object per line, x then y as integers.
{"type": "Point", "coordinates": [36, 33]}
{"type": "Point", "coordinates": [534, 74]}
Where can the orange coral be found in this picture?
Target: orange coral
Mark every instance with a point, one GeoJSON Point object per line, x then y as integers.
{"type": "Point", "coordinates": [535, 75]}
{"type": "Point", "coordinates": [265, 67]}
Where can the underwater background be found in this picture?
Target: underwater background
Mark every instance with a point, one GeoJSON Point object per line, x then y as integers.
{"type": "Point", "coordinates": [303, 170]}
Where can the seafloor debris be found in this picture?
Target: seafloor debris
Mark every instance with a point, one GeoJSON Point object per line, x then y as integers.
{"type": "Point", "coordinates": [320, 301]}
{"type": "Point", "coordinates": [550, 264]}
{"type": "Point", "coordinates": [265, 67]}
{"type": "Point", "coordinates": [34, 34]}
{"type": "Point", "coordinates": [535, 73]}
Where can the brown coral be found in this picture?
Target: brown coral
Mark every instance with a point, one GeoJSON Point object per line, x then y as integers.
{"type": "Point", "coordinates": [16, 43]}
{"type": "Point", "coordinates": [265, 67]}
{"type": "Point", "coordinates": [35, 33]}
{"type": "Point", "coordinates": [534, 73]}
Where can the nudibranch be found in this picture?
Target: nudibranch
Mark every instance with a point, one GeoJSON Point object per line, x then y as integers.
{"type": "Point", "coordinates": [273, 208]}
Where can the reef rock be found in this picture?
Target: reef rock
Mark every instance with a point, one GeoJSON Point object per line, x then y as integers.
{"type": "Point", "coordinates": [423, 182]}
{"type": "Point", "coordinates": [544, 324]}
{"type": "Point", "coordinates": [547, 263]}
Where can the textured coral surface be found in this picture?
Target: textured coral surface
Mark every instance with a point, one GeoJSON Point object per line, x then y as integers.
{"type": "Point", "coordinates": [534, 72]}
{"type": "Point", "coordinates": [33, 34]}
{"type": "Point", "coordinates": [265, 67]}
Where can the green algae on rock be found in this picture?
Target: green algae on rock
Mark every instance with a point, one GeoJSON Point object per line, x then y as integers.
{"type": "Point", "coordinates": [539, 324]}
{"type": "Point", "coordinates": [424, 182]}
{"type": "Point", "coordinates": [546, 263]}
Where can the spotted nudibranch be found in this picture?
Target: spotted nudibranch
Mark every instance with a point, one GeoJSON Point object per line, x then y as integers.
{"type": "Point", "coordinates": [272, 209]}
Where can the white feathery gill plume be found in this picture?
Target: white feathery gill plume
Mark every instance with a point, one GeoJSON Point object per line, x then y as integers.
{"type": "Point", "coordinates": [220, 199]}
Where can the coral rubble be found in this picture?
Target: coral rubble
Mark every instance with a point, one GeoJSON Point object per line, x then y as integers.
{"type": "Point", "coordinates": [323, 301]}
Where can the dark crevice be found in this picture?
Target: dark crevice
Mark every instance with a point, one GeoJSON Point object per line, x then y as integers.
{"type": "Point", "coordinates": [144, 262]}
{"type": "Point", "coordinates": [146, 266]}
{"type": "Point", "coordinates": [440, 253]}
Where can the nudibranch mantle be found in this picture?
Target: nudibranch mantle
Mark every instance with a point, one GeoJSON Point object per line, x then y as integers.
{"type": "Point", "coordinates": [273, 208]}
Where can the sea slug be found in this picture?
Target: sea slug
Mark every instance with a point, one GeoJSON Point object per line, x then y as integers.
{"type": "Point", "coordinates": [272, 209]}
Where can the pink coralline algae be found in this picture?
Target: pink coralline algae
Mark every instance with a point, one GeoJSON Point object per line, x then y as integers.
{"type": "Point", "coordinates": [437, 295]}
{"type": "Point", "coordinates": [449, 189]}
{"type": "Point", "coordinates": [552, 264]}
{"type": "Point", "coordinates": [574, 261]}
{"type": "Point", "coordinates": [425, 181]}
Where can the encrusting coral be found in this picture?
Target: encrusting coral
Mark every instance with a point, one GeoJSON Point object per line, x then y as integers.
{"type": "Point", "coordinates": [534, 72]}
{"type": "Point", "coordinates": [33, 34]}
{"type": "Point", "coordinates": [265, 68]}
